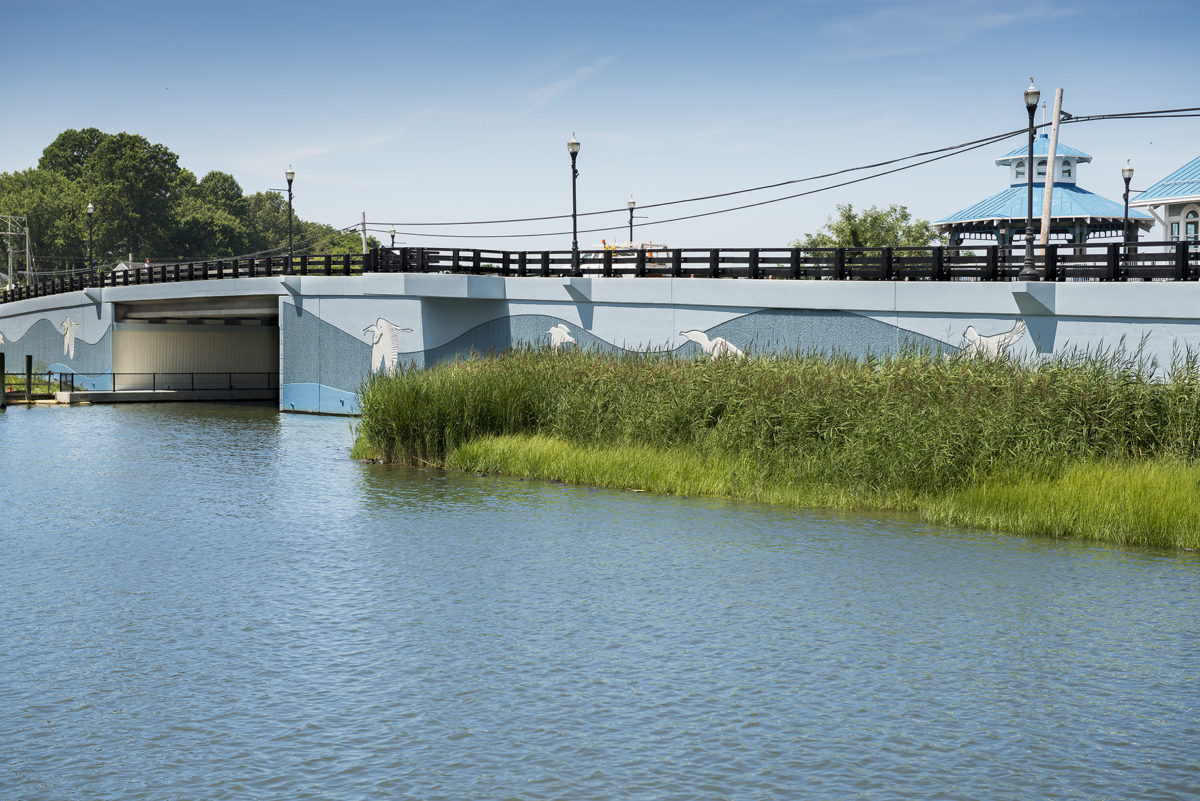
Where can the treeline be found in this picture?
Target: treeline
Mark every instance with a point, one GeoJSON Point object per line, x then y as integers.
{"type": "Point", "coordinates": [146, 205]}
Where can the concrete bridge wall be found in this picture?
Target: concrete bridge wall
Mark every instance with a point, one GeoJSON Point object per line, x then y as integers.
{"type": "Point", "coordinates": [325, 346]}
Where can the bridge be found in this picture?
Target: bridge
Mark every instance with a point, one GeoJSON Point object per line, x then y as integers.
{"type": "Point", "coordinates": [307, 330]}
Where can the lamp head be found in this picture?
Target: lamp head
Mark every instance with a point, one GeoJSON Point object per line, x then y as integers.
{"type": "Point", "coordinates": [90, 208]}
{"type": "Point", "coordinates": [572, 144]}
{"type": "Point", "coordinates": [289, 175]}
{"type": "Point", "coordinates": [1032, 95]}
{"type": "Point", "coordinates": [1127, 172]}
{"type": "Point", "coordinates": [631, 204]}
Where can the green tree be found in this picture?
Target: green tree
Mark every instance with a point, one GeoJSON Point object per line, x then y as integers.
{"type": "Point", "coordinates": [873, 228]}
{"type": "Point", "coordinates": [70, 152]}
{"type": "Point", "coordinates": [54, 207]}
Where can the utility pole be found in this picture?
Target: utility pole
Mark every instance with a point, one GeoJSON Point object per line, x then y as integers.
{"type": "Point", "coordinates": [1044, 238]}
{"type": "Point", "coordinates": [364, 232]}
{"type": "Point", "coordinates": [17, 226]}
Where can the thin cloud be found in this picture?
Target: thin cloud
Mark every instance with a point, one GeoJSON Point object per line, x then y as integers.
{"type": "Point", "coordinates": [546, 94]}
{"type": "Point", "coordinates": [928, 27]}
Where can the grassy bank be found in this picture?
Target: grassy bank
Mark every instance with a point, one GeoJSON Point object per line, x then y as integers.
{"type": "Point", "coordinates": [1074, 447]}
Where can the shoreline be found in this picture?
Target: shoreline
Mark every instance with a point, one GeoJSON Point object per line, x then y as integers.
{"type": "Point", "coordinates": [1092, 448]}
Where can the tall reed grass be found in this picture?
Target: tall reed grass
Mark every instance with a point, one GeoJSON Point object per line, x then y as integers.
{"type": "Point", "coordinates": [898, 430]}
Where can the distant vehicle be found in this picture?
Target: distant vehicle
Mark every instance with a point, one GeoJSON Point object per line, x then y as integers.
{"type": "Point", "coordinates": [655, 251]}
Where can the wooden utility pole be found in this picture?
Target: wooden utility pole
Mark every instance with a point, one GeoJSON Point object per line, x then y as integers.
{"type": "Point", "coordinates": [1049, 187]}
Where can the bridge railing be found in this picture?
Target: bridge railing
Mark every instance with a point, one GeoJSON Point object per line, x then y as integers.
{"type": "Point", "coordinates": [46, 383]}
{"type": "Point", "coordinates": [1111, 261]}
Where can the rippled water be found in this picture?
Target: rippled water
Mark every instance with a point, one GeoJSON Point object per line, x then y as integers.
{"type": "Point", "coordinates": [209, 602]}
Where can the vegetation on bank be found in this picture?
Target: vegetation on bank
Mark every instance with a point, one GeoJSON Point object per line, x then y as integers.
{"type": "Point", "coordinates": [1089, 446]}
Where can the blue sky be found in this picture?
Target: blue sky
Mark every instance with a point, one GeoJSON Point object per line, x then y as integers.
{"type": "Point", "coordinates": [414, 113]}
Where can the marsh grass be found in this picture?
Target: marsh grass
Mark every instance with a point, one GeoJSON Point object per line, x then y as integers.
{"type": "Point", "coordinates": [895, 432]}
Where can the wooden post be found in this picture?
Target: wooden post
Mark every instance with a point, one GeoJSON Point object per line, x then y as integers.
{"type": "Point", "coordinates": [677, 263]}
{"type": "Point", "coordinates": [795, 262]}
{"type": "Point", "coordinates": [1113, 262]}
{"type": "Point", "coordinates": [608, 261]}
{"type": "Point", "coordinates": [939, 263]}
{"type": "Point", "coordinates": [839, 264]}
{"type": "Point", "coordinates": [639, 268]}
{"type": "Point", "coordinates": [545, 262]}
{"type": "Point", "coordinates": [993, 261]}
{"type": "Point", "coordinates": [885, 259]}
{"type": "Point", "coordinates": [1048, 186]}
{"type": "Point", "coordinates": [752, 264]}
{"type": "Point", "coordinates": [1181, 261]}
{"type": "Point", "coordinates": [714, 263]}
{"type": "Point", "coordinates": [523, 263]}
{"type": "Point", "coordinates": [1051, 252]}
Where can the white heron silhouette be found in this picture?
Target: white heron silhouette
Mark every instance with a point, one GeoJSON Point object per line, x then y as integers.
{"type": "Point", "coordinates": [994, 345]}
{"type": "Point", "coordinates": [560, 335]}
{"type": "Point", "coordinates": [68, 331]}
{"type": "Point", "coordinates": [715, 347]}
{"type": "Point", "coordinates": [385, 345]}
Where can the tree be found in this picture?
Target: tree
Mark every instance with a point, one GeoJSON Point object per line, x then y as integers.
{"type": "Point", "coordinates": [873, 228]}
{"type": "Point", "coordinates": [70, 151]}
{"type": "Point", "coordinates": [148, 205]}
{"type": "Point", "coordinates": [54, 208]}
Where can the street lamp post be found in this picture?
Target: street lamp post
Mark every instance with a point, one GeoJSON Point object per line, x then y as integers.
{"type": "Point", "coordinates": [90, 211]}
{"type": "Point", "coordinates": [1127, 175]}
{"type": "Point", "coordinates": [631, 205]}
{"type": "Point", "coordinates": [1028, 273]}
{"type": "Point", "coordinates": [392, 231]}
{"type": "Point", "coordinates": [573, 149]}
{"type": "Point", "coordinates": [290, 176]}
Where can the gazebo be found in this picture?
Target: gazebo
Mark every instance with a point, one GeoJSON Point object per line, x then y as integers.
{"type": "Point", "coordinates": [1076, 214]}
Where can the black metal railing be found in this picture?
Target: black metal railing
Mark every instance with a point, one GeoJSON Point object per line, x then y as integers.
{"type": "Point", "coordinates": [46, 383]}
{"type": "Point", "coordinates": [1113, 261]}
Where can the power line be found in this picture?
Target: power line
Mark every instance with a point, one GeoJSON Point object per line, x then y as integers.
{"type": "Point", "coordinates": [981, 143]}
{"type": "Point", "coordinates": [963, 147]}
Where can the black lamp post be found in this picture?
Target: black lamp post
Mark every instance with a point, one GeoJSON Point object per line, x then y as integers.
{"type": "Point", "coordinates": [392, 231]}
{"type": "Point", "coordinates": [90, 211]}
{"type": "Point", "coordinates": [1127, 174]}
{"type": "Point", "coordinates": [290, 176]}
{"type": "Point", "coordinates": [573, 149]}
{"type": "Point", "coordinates": [1028, 273]}
{"type": "Point", "coordinates": [631, 205]}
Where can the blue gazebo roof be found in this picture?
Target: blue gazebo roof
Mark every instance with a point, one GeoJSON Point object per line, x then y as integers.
{"type": "Point", "coordinates": [1041, 147]}
{"type": "Point", "coordinates": [1068, 201]}
{"type": "Point", "coordinates": [1183, 183]}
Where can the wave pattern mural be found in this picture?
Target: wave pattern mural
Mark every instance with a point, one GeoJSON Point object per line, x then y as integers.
{"type": "Point", "coordinates": [54, 349]}
{"type": "Point", "coordinates": [323, 365]}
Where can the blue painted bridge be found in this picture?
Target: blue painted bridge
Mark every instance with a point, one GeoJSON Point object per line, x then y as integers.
{"type": "Point", "coordinates": [309, 331]}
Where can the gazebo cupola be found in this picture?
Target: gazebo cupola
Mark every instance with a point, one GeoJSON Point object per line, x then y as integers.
{"type": "Point", "coordinates": [1076, 214]}
{"type": "Point", "coordinates": [1066, 162]}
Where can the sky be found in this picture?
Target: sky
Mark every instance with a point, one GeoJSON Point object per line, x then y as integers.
{"type": "Point", "coordinates": [419, 112]}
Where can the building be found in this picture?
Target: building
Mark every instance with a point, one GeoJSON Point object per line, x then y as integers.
{"type": "Point", "coordinates": [1175, 202]}
{"type": "Point", "coordinates": [1076, 215]}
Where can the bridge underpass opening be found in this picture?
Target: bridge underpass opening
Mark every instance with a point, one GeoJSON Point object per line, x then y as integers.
{"type": "Point", "coordinates": [198, 344]}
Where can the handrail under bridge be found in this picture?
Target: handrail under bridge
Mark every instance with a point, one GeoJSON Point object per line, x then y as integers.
{"type": "Point", "coordinates": [1114, 261]}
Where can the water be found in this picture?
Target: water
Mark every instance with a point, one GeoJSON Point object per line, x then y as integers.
{"type": "Point", "coordinates": [214, 602]}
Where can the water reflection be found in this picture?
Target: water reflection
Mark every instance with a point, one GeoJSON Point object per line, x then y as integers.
{"type": "Point", "coordinates": [213, 602]}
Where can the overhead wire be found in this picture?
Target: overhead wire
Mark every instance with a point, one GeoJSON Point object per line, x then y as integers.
{"type": "Point", "coordinates": [944, 155]}
{"type": "Point", "coordinates": [952, 149]}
